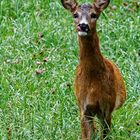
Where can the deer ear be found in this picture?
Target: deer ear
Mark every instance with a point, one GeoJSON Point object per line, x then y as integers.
{"type": "Point", "coordinates": [69, 4]}
{"type": "Point", "coordinates": [100, 5]}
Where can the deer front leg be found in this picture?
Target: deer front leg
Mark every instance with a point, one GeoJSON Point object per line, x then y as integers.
{"type": "Point", "coordinates": [86, 128]}
{"type": "Point", "coordinates": [106, 125]}
{"type": "Point", "coordinates": [87, 125]}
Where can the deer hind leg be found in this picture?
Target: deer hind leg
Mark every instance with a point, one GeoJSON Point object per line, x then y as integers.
{"type": "Point", "coordinates": [87, 123]}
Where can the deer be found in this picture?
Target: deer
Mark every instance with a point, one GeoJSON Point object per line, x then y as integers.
{"type": "Point", "coordinates": [99, 86]}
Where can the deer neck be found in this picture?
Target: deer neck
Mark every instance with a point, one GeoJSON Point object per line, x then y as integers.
{"type": "Point", "coordinates": [91, 58]}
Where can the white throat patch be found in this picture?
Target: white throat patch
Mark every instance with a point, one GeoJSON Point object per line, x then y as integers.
{"type": "Point", "coordinates": [80, 33]}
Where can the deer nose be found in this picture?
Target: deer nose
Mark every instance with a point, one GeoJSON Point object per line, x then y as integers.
{"type": "Point", "coordinates": [84, 27]}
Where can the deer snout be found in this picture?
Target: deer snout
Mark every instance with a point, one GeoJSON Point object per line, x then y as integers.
{"type": "Point", "coordinates": [83, 27]}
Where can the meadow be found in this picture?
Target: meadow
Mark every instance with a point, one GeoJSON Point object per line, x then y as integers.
{"type": "Point", "coordinates": [38, 57]}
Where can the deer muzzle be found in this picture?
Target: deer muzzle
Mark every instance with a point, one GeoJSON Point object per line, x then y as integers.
{"type": "Point", "coordinates": [83, 29]}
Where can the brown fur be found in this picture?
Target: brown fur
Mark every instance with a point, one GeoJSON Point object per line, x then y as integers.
{"type": "Point", "coordinates": [99, 86]}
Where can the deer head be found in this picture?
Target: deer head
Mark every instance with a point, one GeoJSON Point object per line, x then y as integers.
{"type": "Point", "coordinates": [85, 15]}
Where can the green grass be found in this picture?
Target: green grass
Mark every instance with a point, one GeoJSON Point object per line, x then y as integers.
{"type": "Point", "coordinates": [42, 106]}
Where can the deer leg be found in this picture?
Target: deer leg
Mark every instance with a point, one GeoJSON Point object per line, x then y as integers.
{"type": "Point", "coordinates": [94, 125]}
{"type": "Point", "coordinates": [86, 128]}
{"type": "Point", "coordinates": [106, 125]}
{"type": "Point", "coordinates": [87, 124]}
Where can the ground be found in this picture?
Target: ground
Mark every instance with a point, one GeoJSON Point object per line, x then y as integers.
{"type": "Point", "coordinates": [38, 58]}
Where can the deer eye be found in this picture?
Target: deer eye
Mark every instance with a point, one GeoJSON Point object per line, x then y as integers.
{"type": "Point", "coordinates": [93, 15]}
{"type": "Point", "coordinates": [76, 15]}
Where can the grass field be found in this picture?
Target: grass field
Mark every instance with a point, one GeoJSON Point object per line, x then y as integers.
{"type": "Point", "coordinates": [38, 58]}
